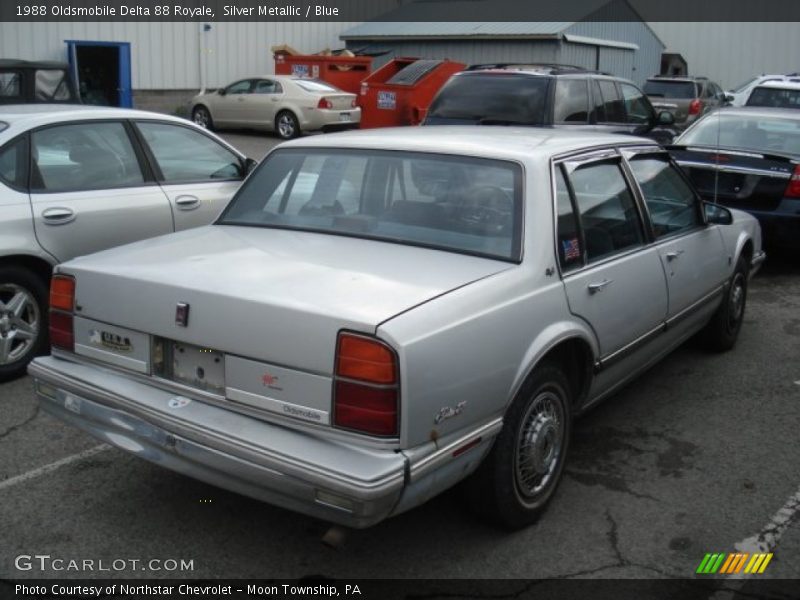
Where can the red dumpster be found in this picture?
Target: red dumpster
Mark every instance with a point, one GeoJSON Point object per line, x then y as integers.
{"type": "Point", "coordinates": [344, 72]}
{"type": "Point", "coordinates": [400, 92]}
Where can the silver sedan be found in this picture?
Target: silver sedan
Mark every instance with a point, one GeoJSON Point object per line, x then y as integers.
{"type": "Point", "coordinates": [284, 104]}
{"type": "Point", "coordinates": [379, 315]}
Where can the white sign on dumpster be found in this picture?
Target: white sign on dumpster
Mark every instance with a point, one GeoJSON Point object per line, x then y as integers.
{"type": "Point", "coordinates": [387, 100]}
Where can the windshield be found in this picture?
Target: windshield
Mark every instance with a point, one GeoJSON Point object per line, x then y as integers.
{"type": "Point", "coordinates": [774, 97]}
{"type": "Point", "coordinates": [762, 134]}
{"type": "Point", "coordinates": [741, 88]}
{"type": "Point", "coordinates": [670, 89]}
{"type": "Point", "coordinates": [3, 125]}
{"type": "Point", "coordinates": [462, 204]}
{"type": "Point", "coordinates": [493, 97]}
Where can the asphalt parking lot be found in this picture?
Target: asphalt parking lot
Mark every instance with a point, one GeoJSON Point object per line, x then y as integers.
{"type": "Point", "coordinates": [699, 455]}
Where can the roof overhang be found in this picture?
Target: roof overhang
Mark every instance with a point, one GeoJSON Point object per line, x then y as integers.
{"type": "Point", "coordinates": [458, 36]}
{"type": "Point", "coordinates": [581, 39]}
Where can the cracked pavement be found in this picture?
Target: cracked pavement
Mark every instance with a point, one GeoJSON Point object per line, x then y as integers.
{"type": "Point", "coordinates": [693, 457]}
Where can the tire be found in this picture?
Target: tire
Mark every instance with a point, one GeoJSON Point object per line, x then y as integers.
{"type": "Point", "coordinates": [201, 116]}
{"type": "Point", "coordinates": [286, 125]}
{"type": "Point", "coordinates": [23, 320]}
{"type": "Point", "coordinates": [722, 331]}
{"type": "Point", "coordinates": [537, 428]}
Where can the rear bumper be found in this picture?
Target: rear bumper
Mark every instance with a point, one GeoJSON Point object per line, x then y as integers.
{"type": "Point", "coordinates": [331, 119]}
{"type": "Point", "coordinates": [780, 228]}
{"type": "Point", "coordinates": [330, 480]}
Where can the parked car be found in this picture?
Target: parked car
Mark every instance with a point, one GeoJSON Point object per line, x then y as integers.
{"type": "Point", "coordinates": [378, 315]}
{"type": "Point", "coordinates": [776, 94]}
{"type": "Point", "coordinates": [559, 96]}
{"type": "Point", "coordinates": [687, 98]}
{"type": "Point", "coordinates": [24, 82]}
{"type": "Point", "coordinates": [739, 95]}
{"type": "Point", "coordinates": [78, 179]}
{"type": "Point", "coordinates": [749, 158]}
{"type": "Point", "coordinates": [285, 104]}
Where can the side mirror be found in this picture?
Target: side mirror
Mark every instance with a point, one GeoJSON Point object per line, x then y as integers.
{"type": "Point", "coordinates": [666, 118]}
{"type": "Point", "coordinates": [221, 91]}
{"type": "Point", "coordinates": [727, 97]}
{"type": "Point", "coordinates": [248, 165]}
{"type": "Point", "coordinates": [717, 215]}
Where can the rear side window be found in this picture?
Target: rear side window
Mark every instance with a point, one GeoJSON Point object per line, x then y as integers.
{"type": "Point", "coordinates": [571, 103]}
{"type": "Point", "coordinates": [612, 103]}
{"type": "Point", "coordinates": [493, 97]}
{"type": "Point", "coordinates": [570, 254]}
{"type": "Point", "coordinates": [608, 214]}
{"type": "Point", "coordinates": [14, 163]}
{"type": "Point", "coordinates": [10, 84]}
{"type": "Point", "coordinates": [672, 204]}
{"type": "Point", "coordinates": [83, 156]}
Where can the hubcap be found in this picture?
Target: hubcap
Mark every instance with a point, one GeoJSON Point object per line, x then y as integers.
{"type": "Point", "coordinates": [737, 295]}
{"type": "Point", "coordinates": [19, 322]}
{"type": "Point", "coordinates": [286, 126]}
{"type": "Point", "coordinates": [539, 444]}
{"type": "Point", "coordinates": [201, 118]}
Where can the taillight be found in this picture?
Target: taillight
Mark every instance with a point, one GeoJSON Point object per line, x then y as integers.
{"type": "Point", "coordinates": [366, 391]}
{"type": "Point", "coordinates": [324, 103]}
{"type": "Point", "coordinates": [62, 302]}
{"type": "Point", "coordinates": [695, 107]}
{"type": "Point", "coordinates": [793, 189]}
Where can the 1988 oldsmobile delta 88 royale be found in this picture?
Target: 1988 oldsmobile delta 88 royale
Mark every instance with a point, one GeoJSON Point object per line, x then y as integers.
{"type": "Point", "coordinates": [379, 315]}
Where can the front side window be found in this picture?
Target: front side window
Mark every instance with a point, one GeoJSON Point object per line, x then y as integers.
{"type": "Point", "coordinates": [608, 214]}
{"type": "Point", "coordinates": [266, 86]}
{"type": "Point", "coordinates": [612, 103]}
{"type": "Point", "coordinates": [637, 107]}
{"type": "Point", "coordinates": [671, 202]}
{"type": "Point", "coordinates": [14, 163]}
{"type": "Point", "coordinates": [83, 156]}
{"type": "Point", "coordinates": [462, 204]}
{"type": "Point", "coordinates": [240, 87]}
{"type": "Point", "coordinates": [571, 103]}
{"type": "Point", "coordinates": [185, 155]}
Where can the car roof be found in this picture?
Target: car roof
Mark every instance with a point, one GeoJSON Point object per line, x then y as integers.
{"type": "Point", "coordinates": [34, 115]}
{"type": "Point", "coordinates": [783, 85]}
{"type": "Point", "coordinates": [537, 71]}
{"type": "Point", "coordinates": [681, 79]}
{"type": "Point", "coordinates": [756, 111]}
{"type": "Point", "coordinates": [15, 63]}
{"type": "Point", "coordinates": [489, 141]}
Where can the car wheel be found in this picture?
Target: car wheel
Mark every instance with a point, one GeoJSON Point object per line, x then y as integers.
{"type": "Point", "coordinates": [518, 477]}
{"type": "Point", "coordinates": [202, 117]}
{"type": "Point", "coordinates": [721, 332]}
{"type": "Point", "coordinates": [23, 320]}
{"type": "Point", "coordinates": [286, 125]}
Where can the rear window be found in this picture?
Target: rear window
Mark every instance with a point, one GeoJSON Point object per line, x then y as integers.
{"type": "Point", "coordinates": [738, 132]}
{"type": "Point", "coordinates": [52, 85]}
{"type": "Point", "coordinates": [461, 204]}
{"type": "Point", "coordinates": [774, 97]}
{"type": "Point", "coordinates": [312, 85]}
{"type": "Point", "coordinates": [492, 97]}
{"type": "Point", "coordinates": [670, 89]}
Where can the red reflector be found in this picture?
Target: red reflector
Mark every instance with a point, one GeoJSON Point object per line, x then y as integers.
{"type": "Point", "coordinates": [793, 189]}
{"type": "Point", "coordinates": [365, 408]}
{"type": "Point", "coordinates": [468, 446]}
{"type": "Point", "coordinates": [61, 335]}
{"type": "Point", "coordinates": [324, 103]}
{"type": "Point", "coordinates": [62, 292]}
{"type": "Point", "coordinates": [365, 359]}
{"type": "Point", "coordinates": [695, 106]}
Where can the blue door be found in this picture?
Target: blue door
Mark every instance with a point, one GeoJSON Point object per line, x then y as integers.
{"type": "Point", "coordinates": [102, 72]}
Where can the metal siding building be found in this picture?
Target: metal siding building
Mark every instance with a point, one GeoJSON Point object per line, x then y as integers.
{"type": "Point", "coordinates": [731, 53]}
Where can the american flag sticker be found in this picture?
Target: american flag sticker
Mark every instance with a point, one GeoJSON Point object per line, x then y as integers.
{"type": "Point", "coordinates": [571, 249]}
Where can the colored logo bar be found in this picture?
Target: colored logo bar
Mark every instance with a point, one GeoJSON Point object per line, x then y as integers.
{"type": "Point", "coordinates": [734, 562]}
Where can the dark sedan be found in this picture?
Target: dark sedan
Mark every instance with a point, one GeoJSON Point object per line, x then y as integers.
{"type": "Point", "coordinates": [748, 158]}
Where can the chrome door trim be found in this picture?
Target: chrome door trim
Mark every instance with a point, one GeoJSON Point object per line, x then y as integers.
{"type": "Point", "coordinates": [616, 356]}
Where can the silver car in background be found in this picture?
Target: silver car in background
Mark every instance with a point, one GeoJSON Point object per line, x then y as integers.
{"type": "Point", "coordinates": [78, 179]}
{"type": "Point", "coordinates": [377, 316]}
{"type": "Point", "coordinates": [285, 104]}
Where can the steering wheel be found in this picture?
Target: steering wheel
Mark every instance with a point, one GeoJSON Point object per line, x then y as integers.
{"type": "Point", "coordinates": [486, 206]}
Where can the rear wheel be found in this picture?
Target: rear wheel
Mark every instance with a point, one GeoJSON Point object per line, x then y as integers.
{"type": "Point", "coordinates": [518, 477]}
{"type": "Point", "coordinates": [286, 125]}
{"type": "Point", "coordinates": [23, 320]}
{"type": "Point", "coordinates": [722, 331]}
{"type": "Point", "coordinates": [202, 117]}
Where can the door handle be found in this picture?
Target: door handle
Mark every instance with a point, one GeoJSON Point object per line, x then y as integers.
{"type": "Point", "coordinates": [673, 255]}
{"type": "Point", "coordinates": [274, 99]}
{"type": "Point", "coordinates": [599, 286]}
{"type": "Point", "coordinates": [58, 215]}
{"type": "Point", "coordinates": [187, 202]}
{"type": "Point", "coordinates": [241, 99]}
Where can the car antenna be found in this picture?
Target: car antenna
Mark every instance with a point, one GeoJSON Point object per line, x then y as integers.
{"type": "Point", "coordinates": [716, 159]}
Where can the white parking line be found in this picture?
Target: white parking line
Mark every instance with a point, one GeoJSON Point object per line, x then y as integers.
{"type": "Point", "coordinates": [52, 466]}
